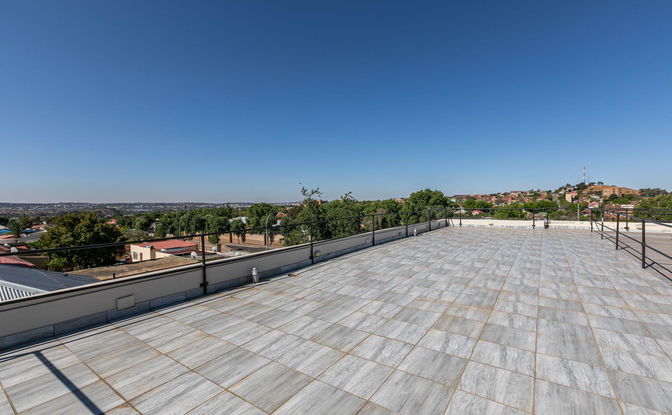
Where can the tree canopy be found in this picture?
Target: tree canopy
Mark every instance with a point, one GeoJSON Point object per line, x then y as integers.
{"type": "Point", "coordinates": [75, 229]}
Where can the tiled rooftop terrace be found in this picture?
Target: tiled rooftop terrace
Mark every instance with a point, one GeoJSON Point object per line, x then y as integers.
{"type": "Point", "coordinates": [457, 321]}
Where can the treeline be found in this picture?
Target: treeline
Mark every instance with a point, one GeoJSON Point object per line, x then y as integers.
{"type": "Point", "coordinates": [347, 216]}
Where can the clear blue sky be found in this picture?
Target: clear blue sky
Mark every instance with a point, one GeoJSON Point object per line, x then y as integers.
{"type": "Point", "coordinates": [243, 100]}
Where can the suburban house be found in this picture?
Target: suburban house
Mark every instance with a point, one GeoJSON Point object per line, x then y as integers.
{"type": "Point", "coordinates": [161, 249]}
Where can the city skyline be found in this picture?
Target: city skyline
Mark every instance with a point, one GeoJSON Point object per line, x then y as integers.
{"type": "Point", "coordinates": [245, 100]}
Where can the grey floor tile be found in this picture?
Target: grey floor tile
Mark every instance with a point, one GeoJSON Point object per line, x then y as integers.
{"type": "Point", "coordinates": [631, 342]}
{"type": "Point", "coordinates": [273, 344]}
{"type": "Point", "coordinates": [34, 364]}
{"type": "Point", "coordinates": [402, 331]}
{"type": "Point", "coordinates": [202, 351]}
{"type": "Point", "coordinates": [310, 358]}
{"type": "Point", "coordinates": [459, 325]}
{"type": "Point", "coordinates": [122, 358]}
{"type": "Point", "coordinates": [340, 337]}
{"type": "Point", "coordinates": [451, 343]}
{"type": "Point", "coordinates": [411, 395]}
{"type": "Point", "coordinates": [357, 376]}
{"type": "Point", "coordinates": [305, 327]}
{"type": "Point", "coordinates": [551, 398]}
{"type": "Point", "coordinates": [274, 318]}
{"type": "Point", "coordinates": [517, 307]}
{"type": "Point", "coordinates": [416, 316]}
{"type": "Point", "coordinates": [215, 323]}
{"type": "Point", "coordinates": [145, 376]}
{"type": "Point", "coordinates": [564, 316]}
{"type": "Point", "coordinates": [505, 357]}
{"type": "Point", "coordinates": [569, 349]}
{"type": "Point", "coordinates": [41, 389]}
{"type": "Point", "coordinates": [5, 407]}
{"type": "Point", "coordinates": [232, 367]}
{"type": "Point", "coordinates": [242, 333]}
{"type": "Point", "coordinates": [226, 403]}
{"type": "Point", "coordinates": [646, 392]}
{"type": "Point", "coordinates": [381, 309]}
{"type": "Point", "coordinates": [464, 403]}
{"type": "Point", "coordinates": [515, 321]}
{"type": "Point", "coordinates": [320, 398]}
{"type": "Point", "coordinates": [373, 409]}
{"type": "Point", "coordinates": [619, 325]}
{"type": "Point", "coordinates": [439, 367]}
{"type": "Point", "coordinates": [471, 313]}
{"type": "Point", "coordinates": [178, 396]}
{"type": "Point", "coordinates": [498, 385]}
{"type": "Point", "coordinates": [94, 398]}
{"type": "Point", "coordinates": [574, 374]}
{"type": "Point", "coordinates": [270, 386]}
{"type": "Point", "coordinates": [429, 305]}
{"type": "Point", "coordinates": [629, 409]}
{"type": "Point", "coordinates": [363, 321]}
{"type": "Point", "coordinates": [123, 409]}
{"type": "Point", "coordinates": [383, 350]}
{"type": "Point", "coordinates": [659, 367]}
{"type": "Point", "coordinates": [509, 336]}
{"type": "Point", "coordinates": [329, 313]}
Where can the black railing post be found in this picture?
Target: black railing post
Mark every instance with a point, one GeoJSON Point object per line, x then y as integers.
{"type": "Point", "coordinates": [310, 236]}
{"type": "Point", "coordinates": [429, 217]}
{"type": "Point", "coordinates": [373, 229]}
{"type": "Point", "coordinates": [602, 228]}
{"type": "Point", "coordinates": [204, 283]}
{"type": "Point", "coordinates": [591, 219]}
{"type": "Point", "coordinates": [627, 228]}
{"type": "Point", "coordinates": [406, 225]}
{"type": "Point", "coordinates": [461, 212]}
{"type": "Point", "coordinates": [534, 222]}
{"type": "Point", "coordinates": [618, 224]}
{"type": "Point", "coordinates": [643, 244]}
{"type": "Point", "coordinates": [446, 214]}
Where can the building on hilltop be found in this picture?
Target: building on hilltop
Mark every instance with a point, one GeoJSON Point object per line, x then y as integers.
{"type": "Point", "coordinates": [607, 191]}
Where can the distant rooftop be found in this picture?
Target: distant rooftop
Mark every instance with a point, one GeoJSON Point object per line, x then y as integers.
{"type": "Point", "coordinates": [33, 281]}
{"type": "Point", "coordinates": [457, 321]}
{"type": "Point", "coordinates": [169, 244]}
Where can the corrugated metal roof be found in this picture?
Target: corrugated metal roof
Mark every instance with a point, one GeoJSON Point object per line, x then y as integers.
{"type": "Point", "coordinates": [11, 291]}
{"type": "Point", "coordinates": [42, 280]}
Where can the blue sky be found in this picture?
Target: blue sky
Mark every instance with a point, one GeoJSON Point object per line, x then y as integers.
{"type": "Point", "coordinates": [243, 100]}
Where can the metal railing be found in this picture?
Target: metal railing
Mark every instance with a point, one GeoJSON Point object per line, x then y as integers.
{"type": "Point", "coordinates": [308, 233]}
{"type": "Point", "coordinates": [635, 243]}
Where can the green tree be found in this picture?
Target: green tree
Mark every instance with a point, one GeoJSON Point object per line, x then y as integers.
{"type": "Point", "coordinates": [141, 223]}
{"type": "Point", "coordinates": [511, 211]}
{"type": "Point", "coordinates": [75, 229]}
{"type": "Point", "coordinates": [470, 204]}
{"type": "Point", "coordinates": [417, 207]}
{"type": "Point", "coordinates": [238, 228]}
{"type": "Point", "coordinates": [260, 215]}
{"type": "Point", "coordinates": [343, 216]}
{"type": "Point", "coordinates": [15, 227]}
{"type": "Point", "coordinates": [306, 221]}
{"type": "Point", "coordinates": [389, 213]}
{"type": "Point", "coordinates": [656, 208]}
{"type": "Point", "coordinates": [217, 225]}
{"type": "Point", "coordinates": [653, 192]}
{"type": "Point", "coordinates": [4, 220]}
